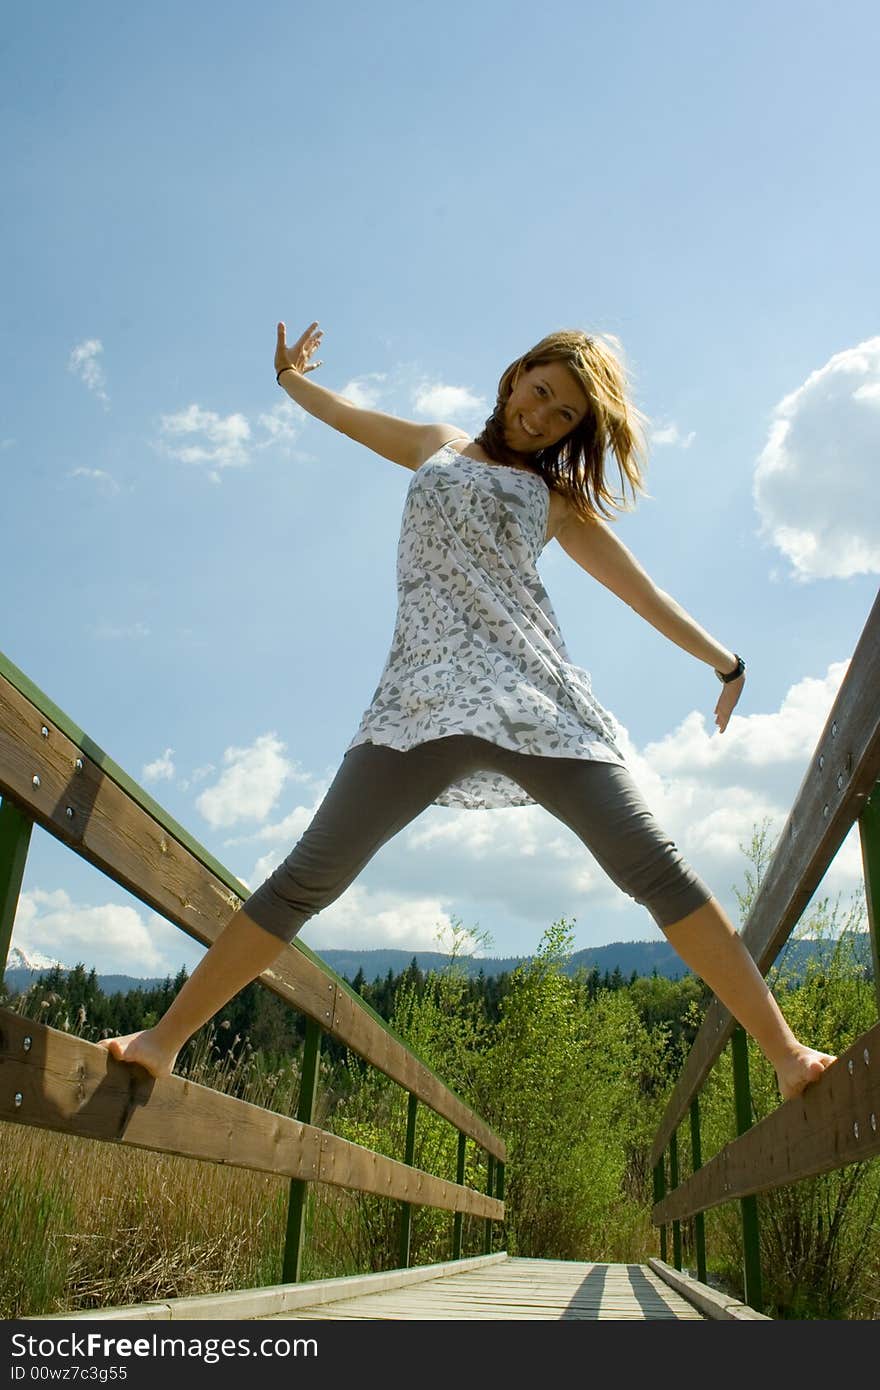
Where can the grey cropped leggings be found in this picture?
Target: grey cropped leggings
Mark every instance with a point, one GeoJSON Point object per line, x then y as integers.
{"type": "Point", "coordinates": [378, 790]}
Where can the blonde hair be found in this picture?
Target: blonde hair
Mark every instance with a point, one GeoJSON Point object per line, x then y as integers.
{"type": "Point", "coordinates": [576, 464]}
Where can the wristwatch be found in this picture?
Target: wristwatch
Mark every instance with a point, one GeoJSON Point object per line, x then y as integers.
{"type": "Point", "coordinates": [735, 673]}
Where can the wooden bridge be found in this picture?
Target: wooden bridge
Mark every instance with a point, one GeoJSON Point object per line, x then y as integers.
{"type": "Point", "coordinates": [53, 775]}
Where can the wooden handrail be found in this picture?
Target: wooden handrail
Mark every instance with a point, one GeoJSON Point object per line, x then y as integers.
{"type": "Point", "coordinates": [67, 784]}
{"type": "Point", "coordinates": [836, 1121]}
{"type": "Point", "coordinates": [54, 1080]}
{"type": "Point", "coordinates": [841, 775]}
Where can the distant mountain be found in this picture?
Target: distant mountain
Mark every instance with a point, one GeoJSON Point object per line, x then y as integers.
{"type": "Point", "coordinates": [31, 960]}
{"type": "Point", "coordinates": [639, 957]}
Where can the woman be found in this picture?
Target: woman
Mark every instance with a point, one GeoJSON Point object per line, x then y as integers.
{"type": "Point", "coordinates": [478, 705]}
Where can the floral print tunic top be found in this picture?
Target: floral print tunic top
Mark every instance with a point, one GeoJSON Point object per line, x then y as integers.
{"type": "Point", "coordinates": [476, 647]}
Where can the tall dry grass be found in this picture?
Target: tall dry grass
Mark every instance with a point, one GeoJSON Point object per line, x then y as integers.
{"type": "Point", "coordinates": [91, 1224]}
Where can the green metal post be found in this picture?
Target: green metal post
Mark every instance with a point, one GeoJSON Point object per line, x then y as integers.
{"type": "Point", "coordinates": [659, 1194]}
{"type": "Point", "coordinates": [458, 1219]}
{"type": "Point", "coordinates": [499, 1182]}
{"type": "Point", "coordinates": [697, 1162]}
{"type": "Point", "coordinates": [490, 1191]}
{"type": "Point", "coordinates": [869, 834]}
{"type": "Point", "coordinates": [739, 1048]}
{"type": "Point", "coordinates": [673, 1184]}
{"type": "Point", "coordinates": [406, 1207]}
{"type": "Point", "coordinates": [15, 838]}
{"type": "Point", "coordinates": [291, 1270]}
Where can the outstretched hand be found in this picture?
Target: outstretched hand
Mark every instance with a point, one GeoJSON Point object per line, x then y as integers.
{"type": "Point", "coordinates": [298, 355]}
{"type": "Point", "coordinates": [727, 700]}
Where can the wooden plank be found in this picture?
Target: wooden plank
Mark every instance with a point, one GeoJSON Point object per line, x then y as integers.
{"type": "Point", "coordinates": [840, 777]}
{"type": "Point", "coordinates": [834, 1122]}
{"type": "Point", "coordinates": [709, 1301]}
{"type": "Point", "coordinates": [134, 842]}
{"type": "Point", "coordinates": [55, 1081]}
{"type": "Point", "coordinates": [274, 1299]}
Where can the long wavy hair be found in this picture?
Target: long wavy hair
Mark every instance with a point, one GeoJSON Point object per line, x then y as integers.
{"type": "Point", "coordinates": [576, 464]}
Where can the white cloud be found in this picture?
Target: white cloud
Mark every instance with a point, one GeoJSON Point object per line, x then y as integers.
{"type": "Point", "coordinates": [281, 424]}
{"type": "Point", "coordinates": [251, 784]}
{"type": "Point", "coordinates": [83, 362]}
{"type": "Point", "coordinates": [670, 434]}
{"type": "Point", "coordinates": [105, 480]}
{"type": "Point", "coordinates": [116, 939]}
{"type": "Point", "coordinates": [815, 481]}
{"type": "Point", "coordinates": [223, 438]}
{"type": "Point", "coordinates": [437, 401]}
{"type": "Point", "coordinates": [362, 390]}
{"type": "Point", "coordinates": [161, 769]}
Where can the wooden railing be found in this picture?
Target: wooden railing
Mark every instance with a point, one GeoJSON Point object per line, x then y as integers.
{"type": "Point", "coordinates": [53, 775]}
{"type": "Point", "coordinates": [836, 1121]}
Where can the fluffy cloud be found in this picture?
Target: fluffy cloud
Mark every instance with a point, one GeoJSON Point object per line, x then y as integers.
{"type": "Point", "coordinates": [104, 480]}
{"type": "Point", "coordinates": [670, 434]}
{"type": "Point", "coordinates": [218, 441]}
{"type": "Point", "coordinates": [250, 786]}
{"type": "Point", "coordinates": [161, 769]}
{"type": "Point", "coordinates": [364, 390]}
{"type": "Point", "coordinates": [437, 401]}
{"type": "Point", "coordinates": [815, 482]}
{"type": "Point", "coordinates": [83, 362]}
{"type": "Point", "coordinates": [115, 938]}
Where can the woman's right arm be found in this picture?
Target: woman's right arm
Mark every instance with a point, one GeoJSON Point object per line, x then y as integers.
{"type": "Point", "coordinates": [403, 441]}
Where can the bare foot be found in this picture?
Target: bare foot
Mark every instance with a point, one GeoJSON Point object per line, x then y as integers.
{"type": "Point", "coordinates": [144, 1049]}
{"type": "Point", "coordinates": [800, 1069]}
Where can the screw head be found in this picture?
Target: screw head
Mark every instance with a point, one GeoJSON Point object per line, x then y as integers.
{"type": "Point", "coordinates": [867, 1057]}
{"type": "Point", "coordinates": [849, 1066]}
{"type": "Point", "coordinates": [35, 780]}
{"type": "Point", "coordinates": [825, 811]}
{"type": "Point", "coordinates": [18, 1099]}
{"type": "Point", "coordinates": [873, 1122]}
{"type": "Point", "coordinates": [856, 1128]}
{"type": "Point", "coordinates": [834, 729]}
{"type": "Point", "coordinates": [69, 813]}
{"type": "Point", "coordinates": [821, 761]}
{"type": "Point", "coordinates": [79, 764]}
{"type": "Point", "coordinates": [840, 779]}
{"type": "Point", "coordinates": [44, 731]}
{"type": "Point", "coordinates": [26, 1044]}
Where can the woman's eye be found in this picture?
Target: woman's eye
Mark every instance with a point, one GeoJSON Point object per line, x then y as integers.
{"type": "Point", "coordinates": [540, 390]}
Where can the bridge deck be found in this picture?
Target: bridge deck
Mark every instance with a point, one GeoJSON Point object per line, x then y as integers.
{"type": "Point", "coordinates": [517, 1288]}
{"type": "Point", "coordinates": [481, 1286]}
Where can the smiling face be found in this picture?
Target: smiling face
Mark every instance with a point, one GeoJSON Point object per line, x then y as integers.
{"type": "Point", "coordinates": [546, 403]}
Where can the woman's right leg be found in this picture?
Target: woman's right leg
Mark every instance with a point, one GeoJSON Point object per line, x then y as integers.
{"type": "Point", "coordinates": [376, 792]}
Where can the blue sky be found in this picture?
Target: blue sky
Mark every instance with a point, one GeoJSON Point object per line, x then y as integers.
{"type": "Point", "coordinates": [203, 578]}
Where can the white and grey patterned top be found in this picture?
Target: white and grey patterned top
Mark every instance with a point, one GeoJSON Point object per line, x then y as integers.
{"type": "Point", "coordinates": [476, 647]}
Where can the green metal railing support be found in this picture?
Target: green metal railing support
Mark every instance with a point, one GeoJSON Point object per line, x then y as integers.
{"type": "Point", "coordinates": [697, 1162]}
{"type": "Point", "coordinates": [869, 835]}
{"type": "Point", "coordinates": [659, 1194]}
{"type": "Point", "coordinates": [739, 1048]}
{"type": "Point", "coordinates": [490, 1192]}
{"type": "Point", "coordinates": [673, 1183]}
{"type": "Point", "coordinates": [499, 1182]}
{"type": "Point", "coordinates": [291, 1271]}
{"type": "Point", "coordinates": [15, 839]}
{"type": "Point", "coordinates": [408, 1157]}
{"type": "Point", "coordinates": [458, 1219]}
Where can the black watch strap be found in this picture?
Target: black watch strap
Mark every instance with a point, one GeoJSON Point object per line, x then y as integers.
{"type": "Point", "coordinates": [735, 673]}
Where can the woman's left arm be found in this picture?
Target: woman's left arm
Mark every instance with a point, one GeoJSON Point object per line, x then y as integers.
{"type": "Point", "coordinates": [594, 546]}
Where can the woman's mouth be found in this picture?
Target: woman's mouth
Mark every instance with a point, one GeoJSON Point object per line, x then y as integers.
{"type": "Point", "coordinates": [533, 434]}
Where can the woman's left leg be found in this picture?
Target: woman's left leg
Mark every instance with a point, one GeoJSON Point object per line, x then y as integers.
{"type": "Point", "coordinates": [603, 805]}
